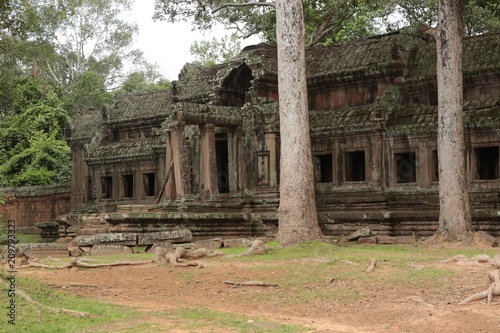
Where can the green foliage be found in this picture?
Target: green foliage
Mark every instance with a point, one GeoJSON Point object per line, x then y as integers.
{"type": "Point", "coordinates": [45, 161]}
{"type": "Point", "coordinates": [33, 150]}
{"type": "Point", "coordinates": [87, 91]}
{"type": "Point", "coordinates": [328, 21]}
{"type": "Point", "coordinates": [481, 16]}
{"type": "Point", "coordinates": [210, 52]}
{"type": "Point", "coordinates": [145, 80]}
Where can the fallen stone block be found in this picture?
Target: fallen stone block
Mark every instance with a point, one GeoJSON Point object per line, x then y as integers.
{"type": "Point", "coordinates": [484, 239]}
{"type": "Point", "coordinates": [170, 246]}
{"type": "Point", "coordinates": [214, 243]}
{"type": "Point", "coordinates": [387, 240]}
{"type": "Point", "coordinates": [101, 250]}
{"type": "Point", "coordinates": [406, 239]}
{"type": "Point", "coordinates": [174, 236]}
{"type": "Point", "coordinates": [367, 240]}
{"type": "Point", "coordinates": [129, 239]}
{"type": "Point", "coordinates": [363, 232]}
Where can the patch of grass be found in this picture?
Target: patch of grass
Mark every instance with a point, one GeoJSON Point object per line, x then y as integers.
{"type": "Point", "coordinates": [29, 238]}
{"type": "Point", "coordinates": [32, 318]}
{"type": "Point", "coordinates": [200, 318]}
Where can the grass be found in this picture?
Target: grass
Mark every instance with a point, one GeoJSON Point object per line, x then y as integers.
{"type": "Point", "coordinates": [113, 318]}
{"type": "Point", "coordinates": [29, 238]}
{"type": "Point", "coordinates": [32, 318]}
{"type": "Point", "coordinates": [200, 318]}
{"type": "Point", "coordinates": [305, 274]}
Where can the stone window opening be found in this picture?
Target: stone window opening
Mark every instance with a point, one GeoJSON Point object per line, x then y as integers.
{"type": "Point", "coordinates": [235, 86]}
{"type": "Point", "coordinates": [355, 168]}
{"type": "Point", "coordinates": [324, 168]}
{"type": "Point", "coordinates": [434, 166]}
{"type": "Point", "coordinates": [107, 187]}
{"type": "Point", "coordinates": [487, 162]}
{"type": "Point", "coordinates": [128, 186]}
{"type": "Point", "coordinates": [89, 194]}
{"type": "Point", "coordinates": [222, 160]}
{"type": "Point", "coordinates": [148, 182]}
{"type": "Point", "coordinates": [406, 167]}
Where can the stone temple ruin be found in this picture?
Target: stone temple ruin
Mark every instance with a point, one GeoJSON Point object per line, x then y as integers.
{"type": "Point", "coordinates": [204, 155]}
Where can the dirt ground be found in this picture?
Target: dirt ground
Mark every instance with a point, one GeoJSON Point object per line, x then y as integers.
{"type": "Point", "coordinates": [381, 306]}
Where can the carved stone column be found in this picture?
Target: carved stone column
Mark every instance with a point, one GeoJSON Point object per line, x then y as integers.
{"type": "Point", "coordinates": [271, 146]}
{"type": "Point", "coordinates": [169, 167]}
{"type": "Point", "coordinates": [208, 163]}
{"type": "Point", "coordinates": [181, 161]}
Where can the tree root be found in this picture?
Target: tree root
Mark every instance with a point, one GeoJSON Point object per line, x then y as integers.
{"type": "Point", "coordinates": [252, 283]}
{"type": "Point", "coordinates": [79, 263]}
{"type": "Point", "coordinates": [493, 290]}
{"type": "Point", "coordinates": [177, 258]}
{"type": "Point", "coordinates": [371, 265]}
{"type": "Point", "coordinates": [258, 248]}
{"type": "Point", "coordinates": [28, 299]}
{"type": "Point", "coordinates": [420, 300]}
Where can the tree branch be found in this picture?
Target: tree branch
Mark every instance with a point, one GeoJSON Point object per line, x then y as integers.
{"type": "Point", "coordinates": [248, 4]}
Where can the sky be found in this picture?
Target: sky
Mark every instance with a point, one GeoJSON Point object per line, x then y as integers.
{"type": "Point", "coordinates": [168, 44]}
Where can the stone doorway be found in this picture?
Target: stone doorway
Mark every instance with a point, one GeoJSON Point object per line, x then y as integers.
{"type": "Point", "coordinates": [222, 160]}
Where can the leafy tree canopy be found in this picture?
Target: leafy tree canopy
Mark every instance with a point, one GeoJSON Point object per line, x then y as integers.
{"type": "Point", "coordinates": [33, 149]}
{"type": "Point", "coordinates": [328, 21]}
{"type": "Point", "coordinates": [215, 51]}
{"type": "Point", "coordinates": [480, 15]}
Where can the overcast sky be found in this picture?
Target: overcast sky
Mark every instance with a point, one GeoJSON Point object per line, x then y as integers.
{"type": "Point", "coordinates": [167, 44]}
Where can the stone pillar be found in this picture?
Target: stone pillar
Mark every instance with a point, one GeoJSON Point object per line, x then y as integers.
{"type": "Point", "coordinates": [271, 146]}
{"type": "Point", "coordinates": [169, 158]}
{"type": "Point", "coordinates": [239, 160]}
{"type": "Point", "coordinates": [180, 158]}
{"type": "Point", "coordinates": [208, 163]}
{"type": "Point", "coordinates": [232, 163]}
{"type": "Point", "coordinates": [374, 175]}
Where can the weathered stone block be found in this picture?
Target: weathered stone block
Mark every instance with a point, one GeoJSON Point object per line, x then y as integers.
{"type": "Point", "coordinates": [363, 232]}
{"type": "Point", "coordinates": [170, 246]}
{"type": "Point", "coordinates": [214, 243]}
{"type": "Point", "coordinates": [386, 240]}
{"type": "Point", "coordinates": [484, 239]}
{"type": "Point", "coordinates": [367, 240]}
{"type": "Point", "coordinates": [174, 236]}
{"type": "Point", "coordinates": [109, 238]}
{"type": "Point", "coordinates": [101, 250]}
{"type": "Point", "coordinates": [406, 239]}
{"type": "Point", "coordinates": [49, 229]}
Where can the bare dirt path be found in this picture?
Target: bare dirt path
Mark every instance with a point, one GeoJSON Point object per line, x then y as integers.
{"type": "Point", "coordinates": [371, 304]}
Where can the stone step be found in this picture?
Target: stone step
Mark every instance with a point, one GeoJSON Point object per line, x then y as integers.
{"type": "Point", "coordinates": [92, 231]}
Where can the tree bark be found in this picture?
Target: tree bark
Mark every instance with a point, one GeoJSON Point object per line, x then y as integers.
{"type": "Point", "coordinates": [298, 220]}
{"type": "Point", "coordinates": [454, 214]}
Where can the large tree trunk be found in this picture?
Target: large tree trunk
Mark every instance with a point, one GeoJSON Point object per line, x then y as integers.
{"type": "Point", "coordinates": [298, 220]}
{"type": "Point", "coordinates": [454, 214]}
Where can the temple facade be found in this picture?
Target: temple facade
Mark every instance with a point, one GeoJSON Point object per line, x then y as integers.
{"type": "Point", "coordinates": [205, 154]}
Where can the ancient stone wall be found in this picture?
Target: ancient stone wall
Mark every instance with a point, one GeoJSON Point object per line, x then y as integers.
{"type": "Point", "coordinates": [30, 205]}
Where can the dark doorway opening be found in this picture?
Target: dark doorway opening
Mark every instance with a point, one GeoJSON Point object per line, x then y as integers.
{"type": "Point", "coordinates": [222, 157]}
{"type": "Point", "coordinates": [487, 162]}
{"type": "Point", "coordinates": [148, 181]}
{"type": "Point", "coordinates": [89, 194]}
{"type": "Point", "coordinates": [355, 166]}
{"type": "Point", "coordinates": [107, 187]}
{"type": "Point", "coordinates": [128, 186]}
{"type": "Point", "coordinates": [406, 168]}
{"type": "Point", "coordinates": [435, 166]}
{"type": "Point", "coordinates": [324, 168]}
